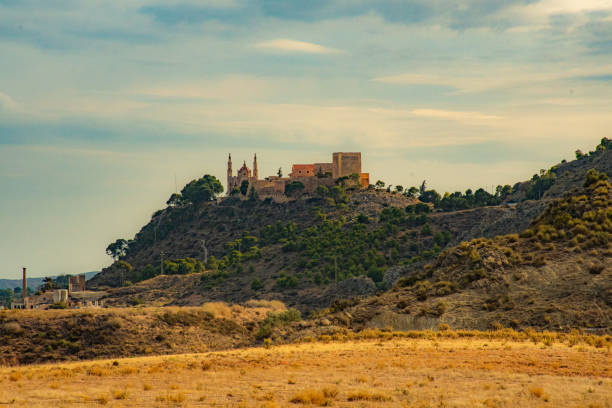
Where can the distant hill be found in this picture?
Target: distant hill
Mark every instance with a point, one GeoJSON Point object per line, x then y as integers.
{"type": "Point", "coordinates": [33, 282]}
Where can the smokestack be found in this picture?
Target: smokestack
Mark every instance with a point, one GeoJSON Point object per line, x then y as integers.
{"type": "Point", "coordinates": [24, 286]}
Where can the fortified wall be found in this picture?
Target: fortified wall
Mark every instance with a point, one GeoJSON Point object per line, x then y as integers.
{"type": "Point", "coordinates": [343, 165]}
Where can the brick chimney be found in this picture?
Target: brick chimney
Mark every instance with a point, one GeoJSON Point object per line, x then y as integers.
{"type": "Point", "coordinates": [24, 286]}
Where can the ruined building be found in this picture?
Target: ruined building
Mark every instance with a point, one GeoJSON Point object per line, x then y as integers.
{"type": "Point", "coordinates": [343, 165]}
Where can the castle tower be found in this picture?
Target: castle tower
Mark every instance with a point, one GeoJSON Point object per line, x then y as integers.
{"type": "Point", "coordinates": [229, 175]}
{"type": "Point", "coordinates": [255, 172]}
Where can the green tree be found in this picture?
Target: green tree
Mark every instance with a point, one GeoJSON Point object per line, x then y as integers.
{"type": "Point", "coordinates": [399, 188]}
{"type": "Point", "coordinates": [6, 297]}
{"type": "Point", "coordinates": [322, 191]}
{"type": "Point", "coordinates": [430, 196]}
{"type": "Point", "coordinates": [124, 269]}
{"type": "Point", "coordinates": [203, 189]}
{"type": "Point", "coordinates": [411, 192]}
{"type": "Point", "coordinates": [363, 219]}
{"type": "Point", "coordinates": [117, 249]}
{"type": "Point", "coordinates": [244, 187]}
{"type": "Point", "coordinates": [379, 185]}
{"type": "Point", "coordinates": [280, 172]}
{"type": "Point", "coordinates": [48, 284]}
{"type": "Point", "coordinates": [294, 188]}
{"type": "Point", "coordinates": [423, 188]}
{"type": "Point", "coordinates": [175, 200]}
{"type": "Point", "coordinates": [256, 284]}
{"type": "Point", "coordinates": [253, 194]}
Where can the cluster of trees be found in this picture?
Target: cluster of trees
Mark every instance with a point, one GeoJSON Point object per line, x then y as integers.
{"type": "Point", "coordinates": [449, 201]}
{"type": "Point", "coordinates": [339, 249]}
{"type": "Point", "coordinates": [59, 282]}
{"type": "Point", "coordinates": [196, 191]}
{"type": "Point", "coordinates": [9, 295]}
{"type": "Point", "coordinates": [244, 190]}
{"type": "Point", "coordinates": [605, 144]}
{"type": "Point", "coordinates": [6, 297]}
{"type": "Point", "coordinates": [294, 188]}
{"type": "Point", "coordinates": [540, 183]}
{"type": "Point", "coordinates": [593, 176]}
{"type": "Point", "coordinates": [180, 266]}
{"type": "Point", "coordinates": [334, 195]}
{"type": "Point", "coordinates": [469, 199]}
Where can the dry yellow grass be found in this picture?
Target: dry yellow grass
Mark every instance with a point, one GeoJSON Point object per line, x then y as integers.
{"type": "Point", "coordinates": [406, 372]}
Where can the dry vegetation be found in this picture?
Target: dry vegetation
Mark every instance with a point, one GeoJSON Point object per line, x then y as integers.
{"type": "Point", "coordinates": [33, 336]}
{"type": "Point", "coordinates": [555, 275]}
{"type": "Point", "coordinates": [389, 371]}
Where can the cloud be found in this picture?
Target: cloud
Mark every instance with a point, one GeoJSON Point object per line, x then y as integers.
{"type": "Point", "coordinates": [194, 12]}
{"type": "Point", "coordinates": [552, 7]}
{"type": "Point", "coordinates": [293, 46]}
{"type": "Point", "coordinates": [462, 83]}
{"type": "Point", "coordinates": [469, 117]}
{"type": "Point", "coordinates": [8, 104]}
{"type": "Point", "coordinates": [482, 78]}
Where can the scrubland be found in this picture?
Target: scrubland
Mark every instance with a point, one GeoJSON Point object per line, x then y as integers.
{"type": "Point", "coordinates": [378, 369]}
{"type": "Point", "coordinates": [37, 336]}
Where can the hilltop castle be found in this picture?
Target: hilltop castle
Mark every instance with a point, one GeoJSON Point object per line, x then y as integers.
{"type": "Point", "coordinates": [343, 165]}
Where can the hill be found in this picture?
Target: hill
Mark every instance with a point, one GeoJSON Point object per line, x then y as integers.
{"type": "Point", "coordinates": [35, 336]}
{"type": "Point", "coordinates": [565, 176]}
{"type": "Point", "coordinates": [344, 242]}
{"type": "Point", "coordinates": [555, 275]}
{"type": "Point", "coordinates": [306, 253]}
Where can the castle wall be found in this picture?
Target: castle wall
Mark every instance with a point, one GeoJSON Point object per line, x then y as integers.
{"type": "Point", "coordinates": [311, 183]}
{"type": "Point", "coordinates": [343, 164]}
{"type": "Point", "coordinates": [323, 168]}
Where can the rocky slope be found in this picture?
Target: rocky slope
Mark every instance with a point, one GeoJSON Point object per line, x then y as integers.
{"type": "Point", "coordinates": [557, 274]}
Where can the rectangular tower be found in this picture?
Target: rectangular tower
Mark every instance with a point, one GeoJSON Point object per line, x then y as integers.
{"type": "Point", "coordinates": [346, 163]}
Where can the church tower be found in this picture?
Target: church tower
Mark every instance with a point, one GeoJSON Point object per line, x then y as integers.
{"type": "Point", "coordinates": [255, 172]}
{"type": "Point", "coordinates": [229, 175]}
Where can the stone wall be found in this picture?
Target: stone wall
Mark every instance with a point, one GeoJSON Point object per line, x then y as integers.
{"type": "Point", "coordinates": [322, 168]}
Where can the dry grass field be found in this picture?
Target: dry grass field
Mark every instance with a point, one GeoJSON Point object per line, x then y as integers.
{"type": "Point", "coordinates": [391, 371]}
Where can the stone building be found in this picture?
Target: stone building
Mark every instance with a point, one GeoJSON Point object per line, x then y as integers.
{"type": "Point", "coordinates": [344, 164]}
{"type": "Point", "coordinates": [76, 283]}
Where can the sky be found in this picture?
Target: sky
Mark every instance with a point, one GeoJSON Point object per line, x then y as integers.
{"type": "Point", "coordinates": [106, 108]}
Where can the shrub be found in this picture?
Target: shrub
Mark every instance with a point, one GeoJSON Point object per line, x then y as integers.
{"type": "Point", "coordinates": [593, 176]}
{"type": "Point", "coordinates": [422, 289]}
{"type": "Point", "coordinates": [538, 392]}
{"type": "Point", "coordinates": [440, 308]}
{"type": "Point", "coordinates": [273, 320]}
{"type": "Point", "coordinates": [368, 396]}
{"type": "Point", "coordinates": [287, 282]}
{"type": "Point", "coordinates": [596, 268]}
{"type": "Point", "coordinates": [363, 219]}
{"type": "Point", "coordinates": [12, 328]}
{"type": "Point", "coordinates": [309, 396]}
{"type": "Point", "coordinates": [256, 284]}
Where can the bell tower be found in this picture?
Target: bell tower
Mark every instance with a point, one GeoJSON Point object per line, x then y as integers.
{"type": "Point", "coordinates": [255, 172]}
{"type": "Point", "coordinates": [229, 175]}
